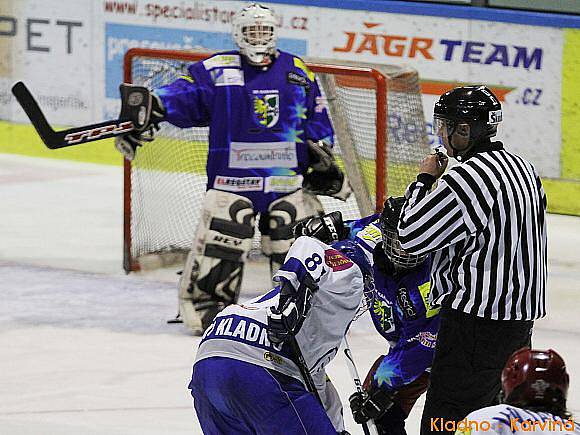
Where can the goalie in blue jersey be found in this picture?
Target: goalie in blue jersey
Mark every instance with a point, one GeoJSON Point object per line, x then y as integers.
{"type": "Point", "coordinates": [400, 310]}
{"type": "Point", "coordinates": [247, 378]}
{"type": "Point", "coordinates": [269, 136]}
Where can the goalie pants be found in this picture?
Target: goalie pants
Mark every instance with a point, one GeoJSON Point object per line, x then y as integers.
{"type": "Point", "coordinates": [470, 355]}
{"type": "Point", "coordinates": [238, 398]}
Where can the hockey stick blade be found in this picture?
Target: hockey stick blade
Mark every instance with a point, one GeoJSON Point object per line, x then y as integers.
{"type": "Point", "coordinates": [65, 138]}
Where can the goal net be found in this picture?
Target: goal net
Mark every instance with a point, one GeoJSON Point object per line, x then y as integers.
{"type": "Point", "coordinates": [380, 137]}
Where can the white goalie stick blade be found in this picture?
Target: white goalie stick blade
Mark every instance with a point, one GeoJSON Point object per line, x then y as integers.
{"type": "Point", "coordinates": [369, 428]}
{"type": "Point", "coordinates": [73, 136]}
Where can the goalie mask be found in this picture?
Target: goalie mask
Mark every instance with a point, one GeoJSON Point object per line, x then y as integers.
{"type": "Point", "coordinates": [255, 32]}
{"type": "Point", "coordinates": [466, 116]}
{"type": "Point", "coordinates": [388, 222]}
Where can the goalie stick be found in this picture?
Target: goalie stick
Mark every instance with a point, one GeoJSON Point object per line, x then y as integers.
{"type": "Point", "coordinates": [73, 136]}
{"type": "Point", "coordinates": [369, 428]}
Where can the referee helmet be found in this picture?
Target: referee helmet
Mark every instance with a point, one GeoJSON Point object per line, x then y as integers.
{"type": "Point", "coordinates": [466, 116]}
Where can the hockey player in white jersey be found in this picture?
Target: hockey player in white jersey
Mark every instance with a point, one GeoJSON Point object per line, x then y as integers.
{"type": "Point", "coordinates": [535, 389]}
{"type": "Point", "coordinates": [245, 377]}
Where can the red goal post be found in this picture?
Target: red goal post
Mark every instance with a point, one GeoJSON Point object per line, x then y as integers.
{"type": "Point", "coordinates": [369, 197]}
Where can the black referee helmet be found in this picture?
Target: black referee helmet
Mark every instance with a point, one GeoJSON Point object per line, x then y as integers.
{"type": "Point", "coordinates": [466, 116]}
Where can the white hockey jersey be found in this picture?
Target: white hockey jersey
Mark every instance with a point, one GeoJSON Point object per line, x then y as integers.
{"type": "Point", "coordinates": [239, 331]}
{"type": "Point", "coordinates": [510, 420]}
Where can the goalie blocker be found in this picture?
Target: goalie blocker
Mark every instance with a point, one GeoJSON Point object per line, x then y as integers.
{"type": "Point", "coordinates": [145, 110]}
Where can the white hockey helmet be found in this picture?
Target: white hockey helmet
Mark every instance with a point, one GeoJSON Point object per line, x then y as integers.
{"type": "Point", "coordinates": [255, 31]}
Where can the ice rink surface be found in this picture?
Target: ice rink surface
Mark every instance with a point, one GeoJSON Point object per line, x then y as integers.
{"type": "Point", "coordinates": [85, 349]}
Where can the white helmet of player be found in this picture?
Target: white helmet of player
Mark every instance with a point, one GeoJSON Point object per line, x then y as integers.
{"type": "Point", "coordinates": [255, 31]}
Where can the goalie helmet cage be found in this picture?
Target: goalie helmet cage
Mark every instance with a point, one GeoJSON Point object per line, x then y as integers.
{"type": "Point", "coordinates": [164, 185]}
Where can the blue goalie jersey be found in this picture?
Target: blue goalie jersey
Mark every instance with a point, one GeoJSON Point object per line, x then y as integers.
{"type": "Point", "coordinates": [259, 121]}
{"type": "Point", "coordinates": [400, 311]}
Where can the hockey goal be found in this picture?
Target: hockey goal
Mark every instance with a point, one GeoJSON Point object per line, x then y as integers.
{"type": "Point", "coordinates": [380, 138]}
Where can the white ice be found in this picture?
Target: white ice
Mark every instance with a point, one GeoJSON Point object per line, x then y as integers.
{"type": "Point", "coordinates": [85, 349]}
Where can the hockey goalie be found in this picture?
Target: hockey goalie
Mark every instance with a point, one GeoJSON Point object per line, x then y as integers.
{"type": "Point", "coordinates": [270, 137]}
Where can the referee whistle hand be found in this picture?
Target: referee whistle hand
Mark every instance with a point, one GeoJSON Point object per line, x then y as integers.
{"type": "Point", "coordinates": [434, 164]}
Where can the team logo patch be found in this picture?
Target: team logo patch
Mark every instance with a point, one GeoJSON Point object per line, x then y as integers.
{"type": "Point", "coordinates": [540, 387]}
{"type": "Point", "coordinates": [273, 358]}
{"type": "Point", "coordinates": [267, 107]}
{"type": "Point", "coordinates": [426, 339]}
{"type": "Point", "coordinates": [297, 79]}
{"type": "Point", "coordinates": [371, 234]}
{"type": "Point", "coordinates": [238, 184]}
{"type": "Point", "coordinates": [425, 291]}
{"type": "Point", "coordinates": [283, 183]}
{"type": "Point", "coordinates": [222, 60]}
{"type": "Point", "coordinates": [227, 77]}
{"type": "Point", "coordinates": [336, 260]}
{"type": "Point", "coordinates": [263, 155]}
{"type": "Point", "coordinates": [406, 304]}
{"type": "Point", "coordinates": [383, 313]}
{"type": "Point", "coordinates": [495, 117]}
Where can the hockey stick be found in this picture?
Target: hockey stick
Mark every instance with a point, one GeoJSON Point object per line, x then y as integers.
{"type": "Point", "coordinates": [301, 363]}
{"type": "Point", "coordinates": [73, 136]}
{"type": "Point", "coordinates": [369, 428]}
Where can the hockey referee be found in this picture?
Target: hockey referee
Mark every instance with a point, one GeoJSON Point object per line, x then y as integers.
{"type": "Point", "coordinates": [485, 223]}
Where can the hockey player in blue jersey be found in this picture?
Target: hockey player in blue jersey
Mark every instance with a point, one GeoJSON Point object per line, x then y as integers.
{"type": "Point", "coordinates": [400, 312]}
{"type": "Point", "coordinates": [269, 136]}
{"type": "Point", "coordinates": [245, 377]}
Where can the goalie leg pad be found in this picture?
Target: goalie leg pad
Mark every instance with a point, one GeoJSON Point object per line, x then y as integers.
{"type": "Point", "coordinates": [277, 226]}
{"type": "Point", "coordinates": [212, 276]}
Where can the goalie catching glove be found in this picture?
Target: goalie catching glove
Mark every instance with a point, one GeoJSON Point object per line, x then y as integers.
{"type": "Point", "coordinates": [285, 320]}
{"type": "Point", "coordinates": [370, 405]}
{"type": "Point", "coordinates": [145, 110]}
{"type": "Point", "coordinates": [324, 177]}
{"type": "Point", "coordinates": [328, 229]}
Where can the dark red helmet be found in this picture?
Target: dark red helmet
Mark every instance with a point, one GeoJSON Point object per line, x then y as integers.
{"type": "Point", "coordinates": [535, 378]}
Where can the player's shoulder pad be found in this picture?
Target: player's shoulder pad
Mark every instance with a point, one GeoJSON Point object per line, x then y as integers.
{"type": "Point", "coordinates": [313, 257]}
{"type": "Point", "coordinates": [370, 236]}
{"type": "Point", "coordinates": [228, 59]}
{"type": "Point", "coordinates": [300, 65]}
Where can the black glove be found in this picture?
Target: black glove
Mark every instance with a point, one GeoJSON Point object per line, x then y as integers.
{"type": "Point", "coordinates": [320, 156]}
{"type": "Point", "coordinates": [370, 405]}
{"type": "Point", "coordinates": [328, 228]}
{"type": "Point", "coordinates": [324, 176]}
{"type": "Point", "coordinates": [285, 320]}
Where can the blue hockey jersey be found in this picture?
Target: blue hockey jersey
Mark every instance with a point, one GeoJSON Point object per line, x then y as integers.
{"type": "Point", "coordinates": [400, 310]}
{"type": "Point", "coordinates": [259, 121]}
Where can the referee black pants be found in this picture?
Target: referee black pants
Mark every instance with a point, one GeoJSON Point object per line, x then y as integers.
{"type": "Point", "coordinates": [466, 372]}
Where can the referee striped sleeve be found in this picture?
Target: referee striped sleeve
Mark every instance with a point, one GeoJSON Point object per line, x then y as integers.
{"type": "Point", "coordinates": [430, 222]}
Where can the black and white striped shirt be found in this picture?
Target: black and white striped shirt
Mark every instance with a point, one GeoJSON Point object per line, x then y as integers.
{"type": "Point", "coordinates": [485, 223]}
